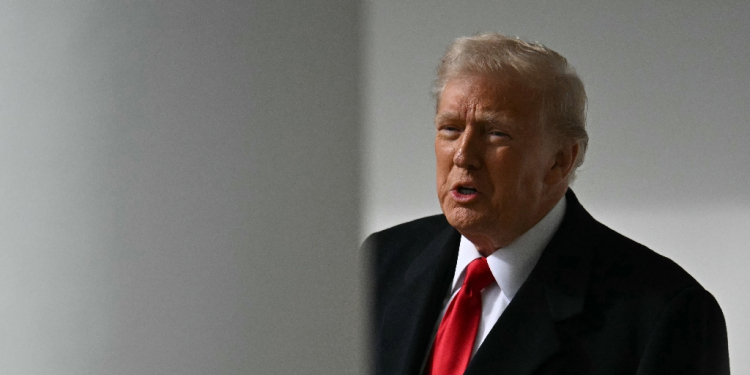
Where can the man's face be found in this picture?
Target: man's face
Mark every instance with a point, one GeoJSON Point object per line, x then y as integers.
{"type": "Point", "coordinates": [493, 157]}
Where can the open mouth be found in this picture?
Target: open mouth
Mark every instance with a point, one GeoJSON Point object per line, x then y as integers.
{"type": "Point", "coordinates": [466, 190]}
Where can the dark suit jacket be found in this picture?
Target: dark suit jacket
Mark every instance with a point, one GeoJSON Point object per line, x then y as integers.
{"type": "Point", "coordinates": [596, 303]}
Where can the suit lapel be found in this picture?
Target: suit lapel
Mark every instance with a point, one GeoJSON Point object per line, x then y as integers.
{"type": "Point", "coordinates": [528, 332]}
{"type": "Point", "coordinates": [523, 337]}
{"type": "Point", "coordinates": [416, 306]}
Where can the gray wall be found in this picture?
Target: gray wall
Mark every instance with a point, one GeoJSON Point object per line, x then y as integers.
{"type": "Point", "coordinates": [669, 121]}
{"type": "Point", "coordinates": [179, 187]}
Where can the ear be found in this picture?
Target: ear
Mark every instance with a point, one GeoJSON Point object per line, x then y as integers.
{"type": "Point", "coordinates": [563, 163]}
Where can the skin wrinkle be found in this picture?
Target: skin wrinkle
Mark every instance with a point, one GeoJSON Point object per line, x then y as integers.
{"type": "Point", "coordinates": [488, 135]}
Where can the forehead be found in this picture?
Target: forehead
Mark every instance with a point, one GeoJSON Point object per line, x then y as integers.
{"type": "Point", "coordinates": [505, 97]}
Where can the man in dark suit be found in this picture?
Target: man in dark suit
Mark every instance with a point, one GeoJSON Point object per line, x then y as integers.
{"type": "Point", "coordinates": [516, 277]}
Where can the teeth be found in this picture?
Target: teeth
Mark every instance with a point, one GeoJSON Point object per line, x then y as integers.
{"type": "Point", "coordinates": [467, 191]}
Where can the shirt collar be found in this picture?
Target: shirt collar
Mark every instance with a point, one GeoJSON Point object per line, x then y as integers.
{"type": "Point", "coordinates": [511, 265]}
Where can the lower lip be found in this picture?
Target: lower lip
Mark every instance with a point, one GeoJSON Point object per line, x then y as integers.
{"type": "Point", "coordinates": [463, 198]}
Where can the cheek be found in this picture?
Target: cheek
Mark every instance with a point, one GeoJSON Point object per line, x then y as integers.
{"type": "Point", "coordinates": [530, 172]}
{"type": "Point", "coordinates": [444, 162]}
{"type": "Point", "coordinates": [442, 153]}
{"type": "Point", "coordinates": [442, 181]}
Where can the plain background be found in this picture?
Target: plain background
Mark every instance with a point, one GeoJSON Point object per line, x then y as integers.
{"type": "Point", "coordinates": [669, 122]}
{"type": "Point", "coordinates": [179, 187]}
{"type": "Point", "coordinates": [184, 184]}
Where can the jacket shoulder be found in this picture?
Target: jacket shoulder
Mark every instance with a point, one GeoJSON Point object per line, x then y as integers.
{"type": "Point", "coordinates": [674, 324]}
{"type": "Point", "coordinates": [644, 271]}
{"type": "Point", "coordinates": [619, 266]}
{"type": "Point", "coordinates": [401, 243]}
{"type": "Point", "coordinates": [392, 251]}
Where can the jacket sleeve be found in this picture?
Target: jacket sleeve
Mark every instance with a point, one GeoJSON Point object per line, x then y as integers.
{"type": "Point", "coordinates": [690, 337]}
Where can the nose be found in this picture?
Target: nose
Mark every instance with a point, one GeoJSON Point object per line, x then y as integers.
{"type": "Point", "coordinates": [468, 150]}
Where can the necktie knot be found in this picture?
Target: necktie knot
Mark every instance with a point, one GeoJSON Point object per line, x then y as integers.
{"type": "Point", "coordinates": [478, 276]}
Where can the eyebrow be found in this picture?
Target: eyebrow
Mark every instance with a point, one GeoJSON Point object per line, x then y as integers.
{"type": "Point", "coordinates": [446, 116]}
{"type": "Point", "coordinates": [492, 117]}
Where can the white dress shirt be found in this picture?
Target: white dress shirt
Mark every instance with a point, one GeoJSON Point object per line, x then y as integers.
{"type": "Point", "coordinates": [510, 266]}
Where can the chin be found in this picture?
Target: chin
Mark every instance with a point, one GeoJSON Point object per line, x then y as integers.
{"type": "Point", "coordinates": [465, 220]}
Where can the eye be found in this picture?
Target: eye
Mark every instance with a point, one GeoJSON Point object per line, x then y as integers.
{"type": "Point", "coordinates": [499, 134]}
{"type": "Point", "coordinates": [449, 130]}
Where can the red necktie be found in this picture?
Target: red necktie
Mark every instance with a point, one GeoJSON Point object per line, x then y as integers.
{"type": "Point", "coordinates": [455, 337]}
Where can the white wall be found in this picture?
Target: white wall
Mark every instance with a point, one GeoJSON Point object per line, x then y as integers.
{"type": "Point", "coordinates": [669, 121]}
{"type": "Point", "coordinates": [179, 187]}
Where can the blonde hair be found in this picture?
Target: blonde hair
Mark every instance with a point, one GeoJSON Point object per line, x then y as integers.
{"type": "Point", "coordinates": [562, 105]}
